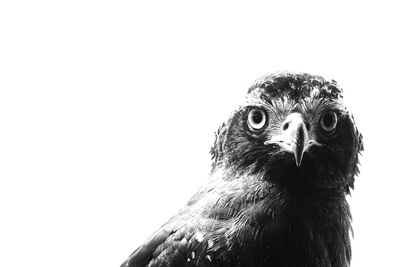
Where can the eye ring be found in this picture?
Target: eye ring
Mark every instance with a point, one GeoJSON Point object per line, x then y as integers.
{"type": "Point", "coordinates": [328, 121]}
{"type": "Point", "coordinates": [256, 119]}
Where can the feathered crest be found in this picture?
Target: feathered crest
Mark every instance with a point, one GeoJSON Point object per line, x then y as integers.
{"type": "Point", "coordinates": [296, 86]}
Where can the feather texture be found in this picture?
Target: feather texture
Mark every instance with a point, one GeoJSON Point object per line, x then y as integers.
{"type": "Point", "coordinates": [259, 208]}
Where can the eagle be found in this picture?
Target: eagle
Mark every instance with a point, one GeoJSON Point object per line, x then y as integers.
{"type": "Point", "coordinates": [283, 164]}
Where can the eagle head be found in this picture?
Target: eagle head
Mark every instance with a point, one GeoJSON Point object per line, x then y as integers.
{"type": "Point", "coordinates": [293, 129]}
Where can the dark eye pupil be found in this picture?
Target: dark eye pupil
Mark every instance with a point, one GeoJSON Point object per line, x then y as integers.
{"type": "Point", "coordinates": [257, 117]}
{"type": "Point", "coordinates": [328, 120]}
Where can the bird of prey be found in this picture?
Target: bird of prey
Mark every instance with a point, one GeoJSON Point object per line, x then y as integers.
{"type": "Point", "coordinates": [283, 164]}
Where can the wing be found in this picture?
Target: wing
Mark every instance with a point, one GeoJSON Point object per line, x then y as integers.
{"type": "Point", "coordinates": [226, 224]}
{"type": "Point", "coordinates": [182, 246]}
{"type": "Point", "coordinates": [168, 246]}
{"type": "Point", "coordinates": [183, 241]}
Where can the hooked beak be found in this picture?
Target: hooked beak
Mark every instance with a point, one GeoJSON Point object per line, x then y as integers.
{"type": "Point", "coordinates": [300, 141]}
{"type": "Point", "coordinates": [294, 137]}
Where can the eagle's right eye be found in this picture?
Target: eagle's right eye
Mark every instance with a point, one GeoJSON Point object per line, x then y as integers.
{"type": "Point", "coordinates": [257, 119]}
{"type": "Point", "coordinates": [328, 121]}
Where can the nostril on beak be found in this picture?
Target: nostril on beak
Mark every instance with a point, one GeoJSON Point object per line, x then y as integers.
{"type": "Point", "coordinates": [285, 126]}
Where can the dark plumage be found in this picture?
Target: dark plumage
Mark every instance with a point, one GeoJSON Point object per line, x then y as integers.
{"type": "Point", "coordinates": [283, 164]}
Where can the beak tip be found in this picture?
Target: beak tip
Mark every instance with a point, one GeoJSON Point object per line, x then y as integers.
{"type": "Point", "coordinates": [298, 163]}
{"type": "Point", "coordinates": [298, 159]}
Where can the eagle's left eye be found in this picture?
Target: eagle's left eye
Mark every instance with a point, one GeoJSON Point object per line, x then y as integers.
{"type": "Point", "coordinates": [328, 121]}
{"type": "Point", "coordinates": [257, 119]}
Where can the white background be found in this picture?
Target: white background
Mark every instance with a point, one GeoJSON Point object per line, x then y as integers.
{"type": "Point", "coordinates": [108, 108]}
